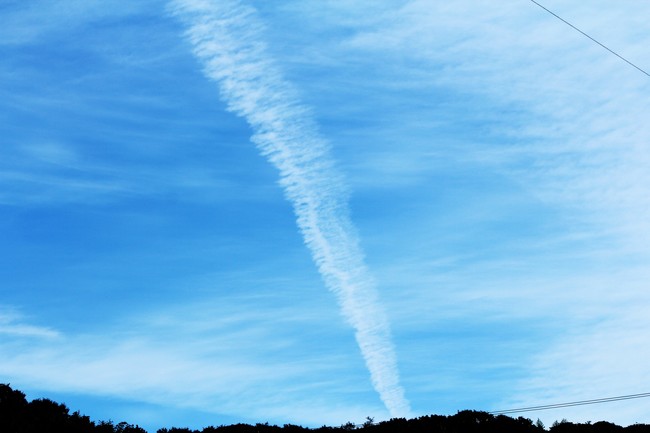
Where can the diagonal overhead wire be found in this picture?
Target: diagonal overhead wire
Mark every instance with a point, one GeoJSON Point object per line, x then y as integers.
{"type": "Point", "coordinates": [585, 34]}
{"type": "Point", "coordinates": [570, 404]}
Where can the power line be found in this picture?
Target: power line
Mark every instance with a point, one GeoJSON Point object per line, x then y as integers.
{"type": "Point", "coordinates": [570, 404]}
{"type": "Point", "coordinates": [602, 45]}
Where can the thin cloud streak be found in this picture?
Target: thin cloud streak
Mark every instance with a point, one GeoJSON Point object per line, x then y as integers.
{"type": "Point", "coordinates": [226, 38]}
{"type": "Point", "coordinates": [11, 325]}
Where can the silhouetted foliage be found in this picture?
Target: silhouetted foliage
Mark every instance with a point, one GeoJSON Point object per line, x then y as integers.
{"type": "Point", "coordinates": [46, 416]}
{"type": "Point", "coordinates": [13, 408]}
{"type": "Point", "coordinates": [177, 430]}
{"type": "Point", "coordinates": [125, 427]}
{"type": "Point", "coordinates": [636, 428]}
{"type": "Point", "coordinates": [17, 415]}
{"type": "Point", "coordinates": [291, 428]}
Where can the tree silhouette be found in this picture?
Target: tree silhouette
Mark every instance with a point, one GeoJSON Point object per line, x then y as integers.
{"type": "Point", "coordinates": [17, 415]}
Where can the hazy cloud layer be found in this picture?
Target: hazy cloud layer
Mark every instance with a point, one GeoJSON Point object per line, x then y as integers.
{"type": "Point", "coordinates": [496, 169]}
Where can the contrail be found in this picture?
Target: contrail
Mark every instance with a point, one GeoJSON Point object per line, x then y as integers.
{"type": "Point", "coordinates": [226, 37]}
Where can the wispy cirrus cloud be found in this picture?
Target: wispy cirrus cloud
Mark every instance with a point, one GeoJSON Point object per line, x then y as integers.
{"type": "Point", "coordinates": [552, 122]}
{"type": "Point", "coordinates": [13, 325]}
{"type": "Point", "coordinates": [498, 163]}
{"type": "Point", "coordinates": [222, 358]}
{"type": "Point", "coordinates": [563, 120]}
{"type": "Point", "coordinates": [577, 140]}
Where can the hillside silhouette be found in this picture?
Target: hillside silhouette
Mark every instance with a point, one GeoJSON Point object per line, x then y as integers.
{"type": "Point", "coordinates": [17, 415]}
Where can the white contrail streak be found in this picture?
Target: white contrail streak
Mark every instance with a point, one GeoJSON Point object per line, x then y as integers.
{"type": "Point", "coordinates": [226, 37]}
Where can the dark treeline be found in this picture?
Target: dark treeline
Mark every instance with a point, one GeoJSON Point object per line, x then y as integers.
{"type": "Point", "coordinates": [17, 415]}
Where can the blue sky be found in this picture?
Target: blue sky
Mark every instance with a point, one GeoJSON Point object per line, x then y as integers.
{"type": "Point", "coordinates": [481, 240]}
